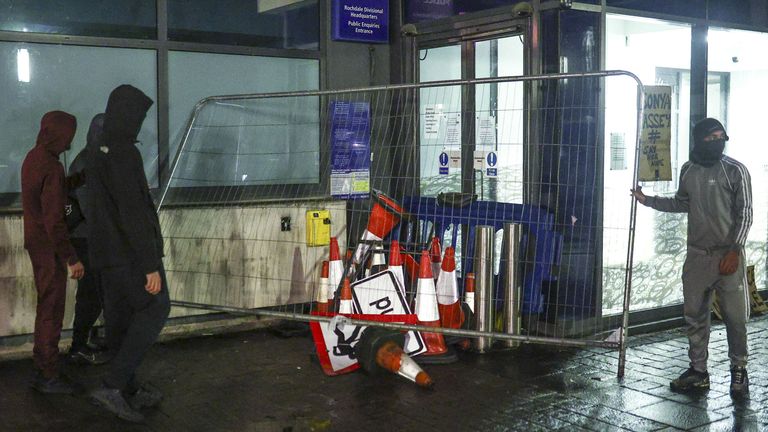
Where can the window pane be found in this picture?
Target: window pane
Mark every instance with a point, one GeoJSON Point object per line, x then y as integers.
{"type": "Point", "coordinates": [109, 18]}
{"type": "Point", "coordinates": [499, 115]}
{"type": "Point", "coordinates": [660, 238]}
{"type": "Point", "coordinates": [738, 77]}
{"type": "Point", "coordinates": [439, 120]}
{"type": "Point", "coordinates": [36, 78]}
{"type": "Point", "coordinates": [245, 142]}
{"type": "Point", "coordinates": [426, 10]}
{"type": "Point", "coordinates": [294, 24]}
{"type": "Point", "coordinates": [752, 12]}
{"type": "Point", "coordinates": [687, 8]}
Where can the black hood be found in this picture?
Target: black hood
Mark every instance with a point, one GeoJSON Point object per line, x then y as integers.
{"type": "Point", "coordinates": [707, 153]}
{"type": "Point", "coordinates": [95, 132]}
{"type": "Point", "coordinates": [126, 109]}
{"type": "Point", "coordinates": [93, 141]}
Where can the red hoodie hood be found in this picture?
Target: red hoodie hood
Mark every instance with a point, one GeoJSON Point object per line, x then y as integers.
{"type": "Point", "coordinates": [57, 129]}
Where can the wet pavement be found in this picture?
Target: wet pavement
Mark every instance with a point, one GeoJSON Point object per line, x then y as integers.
{"type": "Point", "coordinates": [256, 381]}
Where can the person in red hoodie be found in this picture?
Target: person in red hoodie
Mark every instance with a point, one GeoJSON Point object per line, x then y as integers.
{"type": "Point", "coordinates": [43, 197]}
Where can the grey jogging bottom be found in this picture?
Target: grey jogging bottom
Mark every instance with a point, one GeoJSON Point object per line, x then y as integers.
{"type": "Point", "coordinates": [701, 277]}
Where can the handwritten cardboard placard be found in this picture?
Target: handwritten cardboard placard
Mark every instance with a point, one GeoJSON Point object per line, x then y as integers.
{"type": "Point", "coordinates": [656, 135]}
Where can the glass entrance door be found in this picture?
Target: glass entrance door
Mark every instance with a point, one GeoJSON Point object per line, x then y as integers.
{"type": "Point", "coordinates": [440, 110]}
{"type": "Point", "coordinates": [471, 137]}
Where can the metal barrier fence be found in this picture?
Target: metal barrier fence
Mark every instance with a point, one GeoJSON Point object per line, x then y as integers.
{"type": "Point", "coordinates": [507, 176]}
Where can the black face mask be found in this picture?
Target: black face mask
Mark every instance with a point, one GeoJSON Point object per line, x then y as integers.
{"type": "Point", "coordinates": [707, 153]}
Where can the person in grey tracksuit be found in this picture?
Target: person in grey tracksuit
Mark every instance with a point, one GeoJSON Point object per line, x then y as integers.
{"type": "Point", "coordinates": [715, 191]}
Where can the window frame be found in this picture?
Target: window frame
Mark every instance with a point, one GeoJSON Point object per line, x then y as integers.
{"type": "Point", "coordinates": [11, 202]}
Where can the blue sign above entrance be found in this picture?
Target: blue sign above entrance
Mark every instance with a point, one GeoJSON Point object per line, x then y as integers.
{"type": "Point", "coordinates": [360, 20]}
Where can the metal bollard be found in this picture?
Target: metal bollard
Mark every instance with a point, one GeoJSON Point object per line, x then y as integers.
{"type": "Point", "coordinates": [512, 289]}
{"type": "Point", "coordinates": [483, 266]}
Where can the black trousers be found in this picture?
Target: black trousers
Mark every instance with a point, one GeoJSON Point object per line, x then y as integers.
{"type": "Point", "coordinates": [88, 301]}
{"type": "Point", "coordinates": [133, 319]}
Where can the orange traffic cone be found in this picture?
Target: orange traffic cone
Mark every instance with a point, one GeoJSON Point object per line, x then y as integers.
{"type": "Point", "coordinates": [335, 270]}
{"type": "Point", "coordinates": [469, 291]}
{"type": "Point", "coordinates": [322, 292]}
{"type": "Point", "coordinates": [348, 256]}
{"type": "Point", "coordinates": [451, 315]}
{"type": "Point", "coordinates": [383, 349]}
{"type": "Point", "coordinates": [385, 214]}
{"type": "Point", "coordinates": [435, 252]}
{"type": "Point", "coordinates": [396, 263]}
{"type": "Point", "coordinates": [345, 299]}
{"type": "Point", "coordinates": [426, 308]}
{"type": "Point", "coordinates": [392, 358]}
{"type": "Point", "coordinates": [411, 266]}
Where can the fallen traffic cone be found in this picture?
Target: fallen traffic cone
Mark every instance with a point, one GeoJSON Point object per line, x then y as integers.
{"type": "Point", "coordinates": [428, 315]}
{"type": "Point", "coordinates": [380, 349]}
{"type": "Point", "coordinates": [385, 214]}
{"type": "Point", "coordinates": [335, 271]}
{"type": "Point", "coordinates": [322, 292]}
{"type": "Point", "coordinates": [435, 252]}
{"type": "Point", "coordinates": [448, 303]}
{"type": "Point", "coordinates": [345, 298]}
{"type": "Point", "coordinates": [396, 263]}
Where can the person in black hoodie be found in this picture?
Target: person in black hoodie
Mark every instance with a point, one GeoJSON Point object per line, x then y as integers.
{"type": "Point", "coordinates": [88, 302]}
{"type": "Point", "coordinates": [126, 247]}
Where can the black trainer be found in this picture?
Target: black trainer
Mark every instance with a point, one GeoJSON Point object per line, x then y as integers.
{"type": "Point", "coordinates": [145, 397]}
{"type": "Point", "coordinates": [87, 356]}
{"type": "Point", "coordinates": [52, 385]}
{"type": "Point", "coordinates": [690, 380]}
{"type": "Point", "coordinates": [739, 380]}
{"type": "Point", "coordinates": [113, 401]}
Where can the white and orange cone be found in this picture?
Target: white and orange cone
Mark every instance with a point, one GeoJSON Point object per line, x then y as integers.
{"type": "Point", "coordinates": [349, 264]}
{"type": "Point", "coordinates": [435, 252]}
{"type": "Point", "coordinates": [448, 303]}
{"type": "Point", "coordinates": [335, 270]}
{"type": "Point", "coordinates": [380, 348]}
{"type": "Point", "coordinates": [411, 266]}
{"type": "Point", "coordinates": [385, 214]}
{"type": "Point", "coordinates": [426, 308]}
{"type": "Point", "coordinates": [396, 263]}
{"type": "Point", "coordinates": [392, 358]}
{"type": "Point", "coordinates": [469, 291]}
{"type": "Point", "coordinates": [378, 260]}
{"type": "Point", "coordinates": [345, 298]}
{"type": "Point", "coordinates": [322, 291]}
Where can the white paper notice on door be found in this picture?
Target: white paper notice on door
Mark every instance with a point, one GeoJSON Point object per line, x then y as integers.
{"type": "Point", "coordinates": [479, 160]}
{"type": "Point", "coordinates": [432, 116]}
{"type": "Point", "coordinates": [486, 130]}
{"type": "Point", "coordinates": [453, 129]}
{"type": "Point", "coordinates": [454, 159]}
